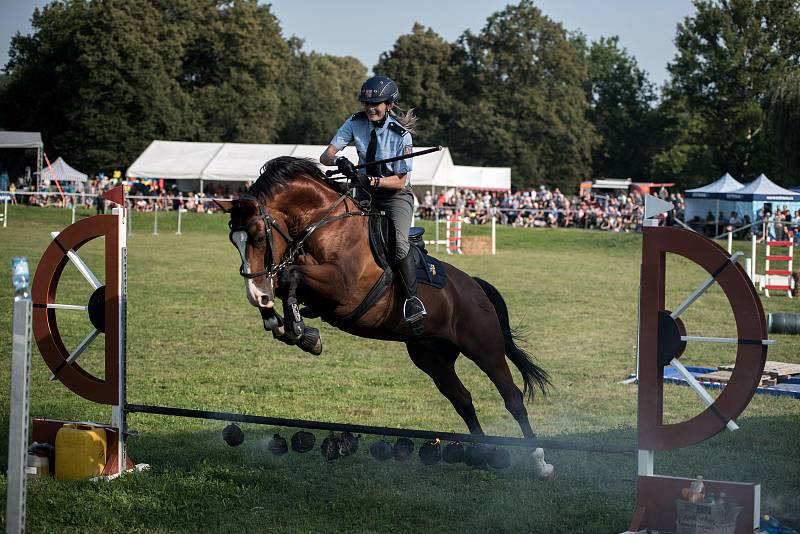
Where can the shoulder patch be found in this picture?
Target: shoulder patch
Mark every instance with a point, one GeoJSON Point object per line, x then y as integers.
{"type": "Point", "coordinates": [396, 128]}
{"type": "Point", "coordinates": [359, 116]}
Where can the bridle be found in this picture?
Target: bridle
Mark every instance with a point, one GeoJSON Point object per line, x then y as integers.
{"type": "Point", "coordinates": [238, 236]}
{"type": "Point", "coordinates": [294, 248]}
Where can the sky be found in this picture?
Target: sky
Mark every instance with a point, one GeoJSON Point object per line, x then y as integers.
{"type": "Point", "coordinates": [646, 28]}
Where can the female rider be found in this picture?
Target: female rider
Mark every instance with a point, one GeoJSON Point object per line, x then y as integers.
{"type": "Point", "coordinates": [378, 133]}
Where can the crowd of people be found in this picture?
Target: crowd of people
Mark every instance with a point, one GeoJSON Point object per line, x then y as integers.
{"type": "Point", "coordinates": [615, 211]}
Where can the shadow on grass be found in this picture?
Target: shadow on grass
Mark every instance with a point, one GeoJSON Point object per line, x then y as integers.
{"type": "Point", "coordinates": [198, 483]}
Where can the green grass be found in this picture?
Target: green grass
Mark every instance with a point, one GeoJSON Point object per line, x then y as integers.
{"type": "Point", "coordinates": [195, 342]}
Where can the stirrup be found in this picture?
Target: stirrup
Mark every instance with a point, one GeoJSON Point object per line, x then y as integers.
{"type": "Point", "coordinates": [416, 316]}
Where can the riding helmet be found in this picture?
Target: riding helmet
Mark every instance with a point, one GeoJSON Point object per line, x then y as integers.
{"type": "Point", "coordinates": [379, 89]}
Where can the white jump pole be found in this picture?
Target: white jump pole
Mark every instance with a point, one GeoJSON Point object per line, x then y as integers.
{"type": "Point", "coordinates": [74, 198]}
{"type": "Point", "coordinates": [730, 242]}
{"type": "Point", "coordinates": [19, 400]}
{"type": "Point", "coordinates": [494, 234]}
{"type": "Point", "coordinates": [753, 257]}
{"type": "Point", "coordinates": [5, 212]}
{"type": "Point", "coordinates": [180, 209]}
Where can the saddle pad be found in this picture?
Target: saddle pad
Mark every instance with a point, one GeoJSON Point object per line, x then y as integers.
{"type": "Point", "coordinates": [430, 271]}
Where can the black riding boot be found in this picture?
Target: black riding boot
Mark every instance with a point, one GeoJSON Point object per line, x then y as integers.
{"type": "Point", "coordinates": [413, 309]}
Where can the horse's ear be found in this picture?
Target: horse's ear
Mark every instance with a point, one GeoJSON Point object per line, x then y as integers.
{"type": "Point", "coordinates": [224, 205]}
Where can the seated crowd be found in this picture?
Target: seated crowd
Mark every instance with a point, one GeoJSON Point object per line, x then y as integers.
{"type": "Point", "coordinates": [619, 211]}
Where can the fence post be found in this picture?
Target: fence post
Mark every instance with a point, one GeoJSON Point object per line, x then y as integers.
{"type": "Point", "coordinates": [436, 219]}
{"type": "Point", "coordinates": [494, 233]}
{"type": "Point", "coordinates": [155, 220]}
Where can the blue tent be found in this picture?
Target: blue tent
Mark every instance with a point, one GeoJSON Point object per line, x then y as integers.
{"type": "Point", "coordinates": [710, 197]}
{"type": "Point", "coordinates": [762, 193]}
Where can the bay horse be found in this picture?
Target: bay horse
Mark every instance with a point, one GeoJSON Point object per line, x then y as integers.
{"type": "Point", "coordinates": [304, 239]}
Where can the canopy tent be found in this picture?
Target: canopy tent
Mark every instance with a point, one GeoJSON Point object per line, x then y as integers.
{"type": "Point", "coordinates": [709, 198]}
{"type": "Point", "coordinates": [482, 178]}
{"type": "Point", "coordinates": [62, 172]}
{"type": "Point", "coordinates": [762, 193]}
{"type": "Point", "coordinates": [240, 162]}
{"type": "Point", "coordinates": [24, 140]}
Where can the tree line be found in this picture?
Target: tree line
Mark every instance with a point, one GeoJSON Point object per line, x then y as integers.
{"type": "Point", "coordinates": [101, 79]}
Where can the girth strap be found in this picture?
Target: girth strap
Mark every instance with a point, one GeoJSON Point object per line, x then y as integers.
{"type": "Point", "coordinates": [378, 289]}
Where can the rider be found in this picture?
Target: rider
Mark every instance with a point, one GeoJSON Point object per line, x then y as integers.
{"type": "Point", "coordinates": [379, 133]}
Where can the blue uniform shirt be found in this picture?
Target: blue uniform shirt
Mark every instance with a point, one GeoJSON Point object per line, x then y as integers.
{"type": "Point", "coordinates": [392, 141]}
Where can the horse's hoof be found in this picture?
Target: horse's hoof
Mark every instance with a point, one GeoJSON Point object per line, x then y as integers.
{"type": "Point", "coordinates": [311, 341]}
{"type": "Point", "coordinates": [543, 470]}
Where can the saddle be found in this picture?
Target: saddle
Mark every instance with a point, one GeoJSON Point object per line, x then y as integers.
{"type": "Point", "coordinates": [430, 271]}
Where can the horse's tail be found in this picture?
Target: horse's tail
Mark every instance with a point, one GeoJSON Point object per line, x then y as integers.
{"type": "Point", "coordinates": [533, 375]}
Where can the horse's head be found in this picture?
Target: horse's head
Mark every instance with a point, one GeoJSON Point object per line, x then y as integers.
{"type": "Point", "coordinates": [253, 234]}
{"type": "Point", "coordinates": [261, 221]}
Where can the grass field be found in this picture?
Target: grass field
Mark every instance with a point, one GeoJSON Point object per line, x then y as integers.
{"type": "Point", "coordinates": [194, 341]}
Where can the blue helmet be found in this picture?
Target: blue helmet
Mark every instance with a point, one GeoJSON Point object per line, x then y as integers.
{"type": "Point", "coordinates": [379, 89]}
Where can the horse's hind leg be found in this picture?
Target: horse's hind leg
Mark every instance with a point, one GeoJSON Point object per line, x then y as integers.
{"type": "Point", "coordinates": [488, 353]}
{"type": "Point", "coordinates": [437, 359]}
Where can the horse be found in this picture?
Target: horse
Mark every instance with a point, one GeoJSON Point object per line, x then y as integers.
{"type": "Point", "coordinates": [302, 238]}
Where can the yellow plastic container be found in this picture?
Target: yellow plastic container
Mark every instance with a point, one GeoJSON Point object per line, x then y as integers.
{"type": "Point", "coordinates": [80, 451]}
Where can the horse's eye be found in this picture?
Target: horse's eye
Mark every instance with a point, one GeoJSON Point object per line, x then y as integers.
{"type": "Point", "coordinates": [260, 239]}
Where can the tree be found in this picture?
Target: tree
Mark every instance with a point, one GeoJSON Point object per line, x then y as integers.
{"type": "Point", "coordinates": [322, 93]}
{"type": "Point", "coordinates": [620, 99]}
{"type": "Point", "coordinates": [783, 113]}
{"type": "Point", "coordinates": [99, 80]}
{"type": "Point", "coordinates": [235, 67]}
{"type": "Point", "coordinates": [102, 79]}
{"type": "Point", "coordinates": [729, 55]}
{"type": "Point", "coordinates": [422, 64]}
{"type": "Point", "coordinates": [521, 100]}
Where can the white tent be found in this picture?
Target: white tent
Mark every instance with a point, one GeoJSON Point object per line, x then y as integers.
{"type": "Point", "coordinates": [174, 160]}
{"type": "Point", "coordinates": [482, 178]}
{"type": "Point", "coordinates": [62, 172]}
{"type": "Point", "coordinates": [239, 162]}
{"type": "Point", "coordinates": [24, 140]}
{"type": "Point", "coordinates": [710, 198]}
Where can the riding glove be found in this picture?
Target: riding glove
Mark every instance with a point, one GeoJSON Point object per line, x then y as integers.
{"type": "Point", "coordinates": [345, 166]}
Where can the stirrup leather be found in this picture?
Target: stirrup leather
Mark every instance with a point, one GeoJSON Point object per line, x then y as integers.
{"type": "Point", "coordinates": [410, 304]}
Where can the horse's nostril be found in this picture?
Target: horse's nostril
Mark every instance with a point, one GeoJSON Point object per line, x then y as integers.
{"type": "Point", "coordinates": [267, 302]}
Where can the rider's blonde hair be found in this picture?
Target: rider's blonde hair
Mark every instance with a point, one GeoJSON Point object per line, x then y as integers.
{"type": "Point", "coordinates": [407, 118]}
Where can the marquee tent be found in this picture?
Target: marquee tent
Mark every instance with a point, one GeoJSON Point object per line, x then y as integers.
{"type": "Point", "coordinates": [63, 172]}
{"type": "Point", "coordinates": [701, 200]}
{"type": "Point", "coordinates": [762, 193]}
{"type": "Point", "coordinates": [240, 162]}
{"type": "Point", "coordinates": [24, 140]}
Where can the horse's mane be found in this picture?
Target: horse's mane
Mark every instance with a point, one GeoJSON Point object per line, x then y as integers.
{"type": "Point", "coordinates": [278, 172]}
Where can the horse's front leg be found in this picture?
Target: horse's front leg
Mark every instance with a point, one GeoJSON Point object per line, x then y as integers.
{"type": "Point", "coordinates": [293, 322]}
{"type": "Point", "coordinates": [295, 332]}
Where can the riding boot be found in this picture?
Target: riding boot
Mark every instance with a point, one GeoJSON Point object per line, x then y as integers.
{"type": "Point", "coordinates": [413, 309]}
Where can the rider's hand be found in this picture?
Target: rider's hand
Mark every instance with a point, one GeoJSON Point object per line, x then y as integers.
{"type": "Point", "coordinates": [361, 180]}
{"type": "Point", "coordinates": [345, 166]}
